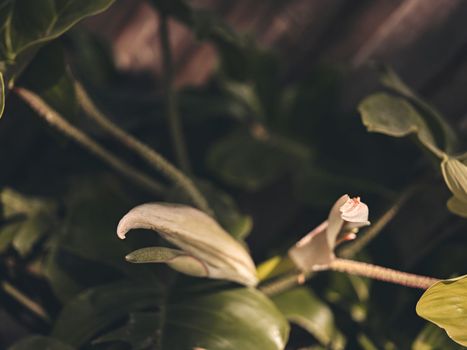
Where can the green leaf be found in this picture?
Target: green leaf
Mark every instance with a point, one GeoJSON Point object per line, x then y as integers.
{"type": "Point", "coordinates": [224, 320]}
{"type": "Point", "coordinates": [28, 219]}
{"type": "Point", "coordinates": [33, 22]}
{"type": "Point", "coordinates": [351, 293]}
{"type": "Point", "coordinates": [175, 258]}
{"type": "Point", "coordinates": [96, 309]}
{"type": "Point", "coordinates": [251, 163]}
{"type": "Point", "coordinates": [246, 96]}
{"type": "Point", "coordinates": [394, 116]}
{"type": "Point", "coordinates": [445, 304]}
{"type": "Point", "coordinates": [303, 307]}
{"type": "Point", "coordinates": [39, 342]}
{"type": "Point", "coordinates": [445, 136]}
{"type": "Point", "coordinates": [86, 251]}
{"type": "Point", "coordinates": [2, 95]}
{"type": "Point", "coordinates": [434, 338]}
{"type": "Point", "coordinates": [140, 332]}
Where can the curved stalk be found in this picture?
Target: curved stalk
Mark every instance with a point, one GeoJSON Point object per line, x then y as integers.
{"type": "Point", "coordinates": [154, 159]}
{"type": "Point", "coordinates": [56, 120]}
{"type": "Point", "coordinates": [381, 273]}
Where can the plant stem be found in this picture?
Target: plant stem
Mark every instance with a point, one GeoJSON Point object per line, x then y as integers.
{"type": "Point", "coordinates": [56, 120]}
{"type": "Point", "coordinates": [173, 116]}
{"type": "Point", "coordinates": [26, 301]}
{"type": "Point", "coordinates": [153, 158]}
{"type": "Point", "coordinates": [284, 283]}
{"type": "Point", "coordinates": [291, 280]}
{"type": "Point", "coordinates": [381, 273]}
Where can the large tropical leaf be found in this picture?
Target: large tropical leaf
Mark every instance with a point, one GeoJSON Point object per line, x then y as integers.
{"type": "Point", "coordinates": [223, 320]}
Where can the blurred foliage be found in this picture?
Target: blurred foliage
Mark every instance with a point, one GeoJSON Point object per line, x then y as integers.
{"type": "Point", "coordinates": [269, 154]}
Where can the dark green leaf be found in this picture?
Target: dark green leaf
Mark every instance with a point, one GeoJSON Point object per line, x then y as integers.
{"type": "Point", "coordinates": [394, 116]}
{"type": "Point", "coordinates": [351, 293]}
{"type": "Point", "coordinates": [253, 163]}
{"type": "Point", "coordinates": [87, 251]}
{"type": "Point", "coordinates": [28, 23]}
{"type": "Point", "coordinates": [27, 219]}
{"type": "Point", "coordinates": [39, 342]}
{"type": "Point", "coordinates": [48, 76]}
{"type": "Point", "coordinates": [96, 309]}
{"type": "Point", "coordinates": [303, 307]}
{"type": "Point", "coordinates": [445, 136]}
{"type": "Point", "coordinates": [225, 320]}
{"type": "Point", "coordinates": [141, 331]}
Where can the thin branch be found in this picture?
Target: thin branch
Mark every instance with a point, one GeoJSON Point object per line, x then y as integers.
{"type": "Point", "coordinates": [285, 283]}
{"type": "Point", "coordinates": [56, 120]}
{"type": "Point", "coordinates": [153, 158]}
{"type": "Point", "coordinates": [26, 301]}
{"type": "Point", "coordinates": [173, 116]}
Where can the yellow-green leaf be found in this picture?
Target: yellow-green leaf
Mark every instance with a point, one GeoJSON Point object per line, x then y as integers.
{"type": "Point", "coordinates": [2, 95]}
{"type": "Point", "coordinates": [455, 175]}
{"type": "Point", "coordinates": [457, 207]}
{"type": "Point", "coordinates": [445, 304]}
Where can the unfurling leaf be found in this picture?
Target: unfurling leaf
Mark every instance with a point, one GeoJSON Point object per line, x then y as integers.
{"type": "Point", "coordinates": [200, 238]}
{"type": "Point", "coordinates": [445, 304]}
{"type": "Point", "coordinates": [317, 247]}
